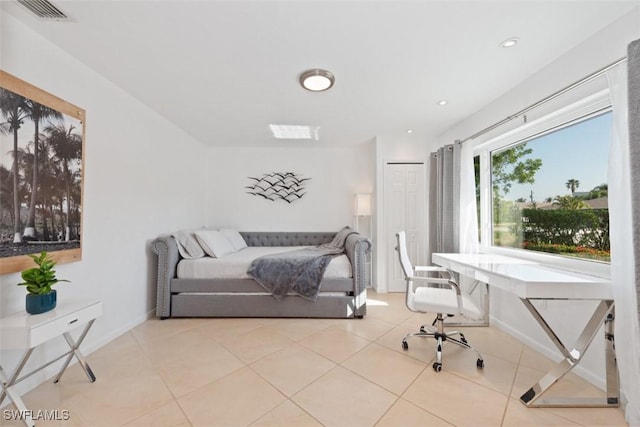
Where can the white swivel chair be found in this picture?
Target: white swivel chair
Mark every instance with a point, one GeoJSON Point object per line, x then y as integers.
{"type": "Point", "coordinates": [438, 294]}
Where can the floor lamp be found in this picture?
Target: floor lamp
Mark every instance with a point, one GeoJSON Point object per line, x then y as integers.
{"type": "Point", "coordinates": [363, 208]}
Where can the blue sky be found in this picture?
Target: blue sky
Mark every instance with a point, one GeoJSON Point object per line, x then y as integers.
{"type": "Point", "coordinates": [579, 152]}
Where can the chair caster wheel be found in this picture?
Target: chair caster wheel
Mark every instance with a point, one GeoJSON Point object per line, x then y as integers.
{"type": "Point", "coordinates": [480, 363]}
{"type": "Point", "coordinates": [463, 339]}
{"type": "Point", "coordinates": [437, 367]}
{"type": "Point", "coordinates": [405, 346]}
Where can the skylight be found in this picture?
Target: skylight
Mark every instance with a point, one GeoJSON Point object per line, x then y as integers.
{"type": "Point", "coordinates": [295, 132]}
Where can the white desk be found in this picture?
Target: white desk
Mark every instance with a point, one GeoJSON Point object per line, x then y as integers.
{"type": "Point", "coordinates": [26, 331]}
{"type": "Point", "coordinates": [529, 281]}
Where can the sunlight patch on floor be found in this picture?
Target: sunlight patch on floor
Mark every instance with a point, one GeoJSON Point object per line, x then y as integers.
{"type": "Point", "coordinates": [377, 302]}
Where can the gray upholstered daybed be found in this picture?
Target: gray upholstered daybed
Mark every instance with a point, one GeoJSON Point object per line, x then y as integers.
{"type": "Point", "coordinates": [339, 297]}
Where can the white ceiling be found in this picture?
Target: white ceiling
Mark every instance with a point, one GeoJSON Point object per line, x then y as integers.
{"type": "Point", "coordinates": [224, 70]}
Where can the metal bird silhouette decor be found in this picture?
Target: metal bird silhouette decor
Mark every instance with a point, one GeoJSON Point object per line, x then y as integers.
{"type": "Point", "coordinates": [287, 186]}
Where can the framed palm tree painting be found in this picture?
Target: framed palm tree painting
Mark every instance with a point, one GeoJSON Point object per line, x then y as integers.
{"type": "Point", "coordinates": [41, 169]}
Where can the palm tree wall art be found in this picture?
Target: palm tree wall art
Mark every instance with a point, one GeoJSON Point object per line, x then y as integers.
{"type": "Point", "coordinates": [41, 170]}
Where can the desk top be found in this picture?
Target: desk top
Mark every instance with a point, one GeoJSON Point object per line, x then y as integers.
{"type": "Point", "coordinates": [526, 279]}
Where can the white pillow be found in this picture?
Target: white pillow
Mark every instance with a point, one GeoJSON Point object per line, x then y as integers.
{"type": "Point", "coordinates": [187, 244]}
{"type": "Point", "coordinates": [214, 243]}
{"type": "Point", "coordinates": [234, 237]}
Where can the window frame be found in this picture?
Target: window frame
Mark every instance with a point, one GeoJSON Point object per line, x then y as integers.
{"type": "Point", "coordinates": [588, 107]}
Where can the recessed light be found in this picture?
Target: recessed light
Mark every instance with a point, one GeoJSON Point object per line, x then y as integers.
{"type": "Point", "coordinates": [295, 132]}
{"type": "Point", "coordinates": [409, 130]}
{"type": "Point", "coordinates": [317, 80]}
{"type": "Point", "coordinates": [442, 102]}
{"type": "Point", "coordinates": [511, 42]}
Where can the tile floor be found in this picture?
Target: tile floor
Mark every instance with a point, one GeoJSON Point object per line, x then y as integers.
{"type": "Point", "coordinates": [305, 372]}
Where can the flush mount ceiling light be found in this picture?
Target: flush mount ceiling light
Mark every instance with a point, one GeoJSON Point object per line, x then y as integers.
{"type": "Point", "coordinates": [511, 42]}
{"type": "Point", "coordinates": [442, 102]}
{"type": "Point", "coordinates": [317, 80]}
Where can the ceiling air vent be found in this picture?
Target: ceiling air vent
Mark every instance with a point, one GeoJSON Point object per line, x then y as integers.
{"type": "Point", "coordinates": [43, 9]}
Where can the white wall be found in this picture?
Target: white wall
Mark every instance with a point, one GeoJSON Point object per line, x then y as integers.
{"type": "Point", "coordinates": [143, 177]}
{"type": "Point", "coordinates": [506, 310]}
{"type": "Point", "coordinates": [337, 174]}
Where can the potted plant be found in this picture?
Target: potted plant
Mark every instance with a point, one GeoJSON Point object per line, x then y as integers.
{"type": "Point", "coordinates": [38, 280]}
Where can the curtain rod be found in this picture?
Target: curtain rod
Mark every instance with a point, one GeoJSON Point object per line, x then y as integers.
{"type": "Point", "coordinates": [545, 100]}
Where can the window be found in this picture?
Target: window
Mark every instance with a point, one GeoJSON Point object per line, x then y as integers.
{"type": "Point", "coordinates": [543, 188]}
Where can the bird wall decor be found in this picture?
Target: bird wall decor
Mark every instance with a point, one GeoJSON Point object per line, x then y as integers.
{"type": "Point", "coordinates": [286, 186]}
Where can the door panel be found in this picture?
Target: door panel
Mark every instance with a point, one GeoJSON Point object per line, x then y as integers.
{"type": "Point", "coordinates": [404, 195]}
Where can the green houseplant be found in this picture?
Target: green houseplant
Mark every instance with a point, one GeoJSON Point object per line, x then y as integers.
{"type": "Point", "coordinates": [39, 280]}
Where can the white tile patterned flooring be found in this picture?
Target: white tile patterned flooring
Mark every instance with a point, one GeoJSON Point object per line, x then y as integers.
{"type": "Point", "coordinates": [308, 372]}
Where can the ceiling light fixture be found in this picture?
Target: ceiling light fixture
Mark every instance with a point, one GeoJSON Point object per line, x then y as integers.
{"type": "Point", "coordinates": [510, 42]}
{"type": "Point", "coordinates": [295, 132]}
{"type": "Point", "coordinates": [442, 102]}
{"type": "Point", "coordinates": [409, 130]}
{"type": "Point", "coordinates": [317, 80]}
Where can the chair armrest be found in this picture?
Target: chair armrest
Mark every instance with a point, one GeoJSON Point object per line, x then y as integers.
{"type": "Point", "coordinates": [431, 268]}
{"type": "Point", "coordinates": [442, 281]}
{"type": "Point", "coordinates": [435, 280]}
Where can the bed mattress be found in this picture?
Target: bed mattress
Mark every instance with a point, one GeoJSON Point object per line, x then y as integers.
{"type": "Point", "coordinates": [235, 265]}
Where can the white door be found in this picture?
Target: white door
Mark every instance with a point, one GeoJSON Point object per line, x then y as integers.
{"type": "Point", "coordinates": [404, 209]}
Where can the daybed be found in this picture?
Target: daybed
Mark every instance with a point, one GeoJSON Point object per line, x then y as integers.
{"type": "Point", "coordinates": [242, 296]}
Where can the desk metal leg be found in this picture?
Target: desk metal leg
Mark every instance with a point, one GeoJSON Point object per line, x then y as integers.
{"type": "Point", "coordinates": [7, 390]}
{"type": "Point", "coordinates": [613, 379]}
{"type": "Point", "coordinates": [602, 314]}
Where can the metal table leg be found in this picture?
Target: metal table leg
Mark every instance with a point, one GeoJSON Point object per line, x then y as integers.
{"type": "Point", "coordinates": [602, 314]}
{"type": "Point", "coordinates": [7, 389]}
{"type": "Point", "coordinates": [15, 378]}
{"type": "Point", "coordinates": [75, 351]}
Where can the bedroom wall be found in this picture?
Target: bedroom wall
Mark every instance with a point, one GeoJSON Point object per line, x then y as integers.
{"type": "Point", "coordinates": [143, 177]}
{"type": "Point", "coordinates": [506, 310]}
{"type": "Point", "coordinates": [337, 174]}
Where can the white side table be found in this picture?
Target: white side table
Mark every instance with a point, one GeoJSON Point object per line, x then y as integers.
{"type": "Point", "coordinates": [27, 331]}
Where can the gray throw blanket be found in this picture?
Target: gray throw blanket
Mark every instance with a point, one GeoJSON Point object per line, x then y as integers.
{"type": "Point", "coordinates": [299, 271]}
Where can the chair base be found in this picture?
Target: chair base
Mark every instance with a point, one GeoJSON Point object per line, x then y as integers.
{"type": "Point", "coordinates": [440, 336]}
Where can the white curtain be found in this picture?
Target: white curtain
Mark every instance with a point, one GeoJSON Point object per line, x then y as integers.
{"type": "Point", "coordinates": [468, 210]}
{"type": "Point", "coordinates": [623, 274]}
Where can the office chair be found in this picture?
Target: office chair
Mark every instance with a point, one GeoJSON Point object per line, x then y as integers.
{"type": "Point", "coordinates": [440, 295]}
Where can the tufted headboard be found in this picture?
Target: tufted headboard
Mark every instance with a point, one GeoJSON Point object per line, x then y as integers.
{"type": "Point", "coordinates": [289, 238]}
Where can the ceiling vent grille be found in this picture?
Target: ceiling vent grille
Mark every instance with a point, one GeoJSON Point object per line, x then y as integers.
{"type": "Point", "coordinates": [43, 9]}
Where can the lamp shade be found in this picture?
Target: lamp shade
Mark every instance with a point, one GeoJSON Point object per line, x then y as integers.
{"type": "Point", "coordinates": [363, 205]}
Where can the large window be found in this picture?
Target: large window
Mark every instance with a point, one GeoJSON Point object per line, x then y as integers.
{"type": "Point", "coordinates": [547, 192]}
